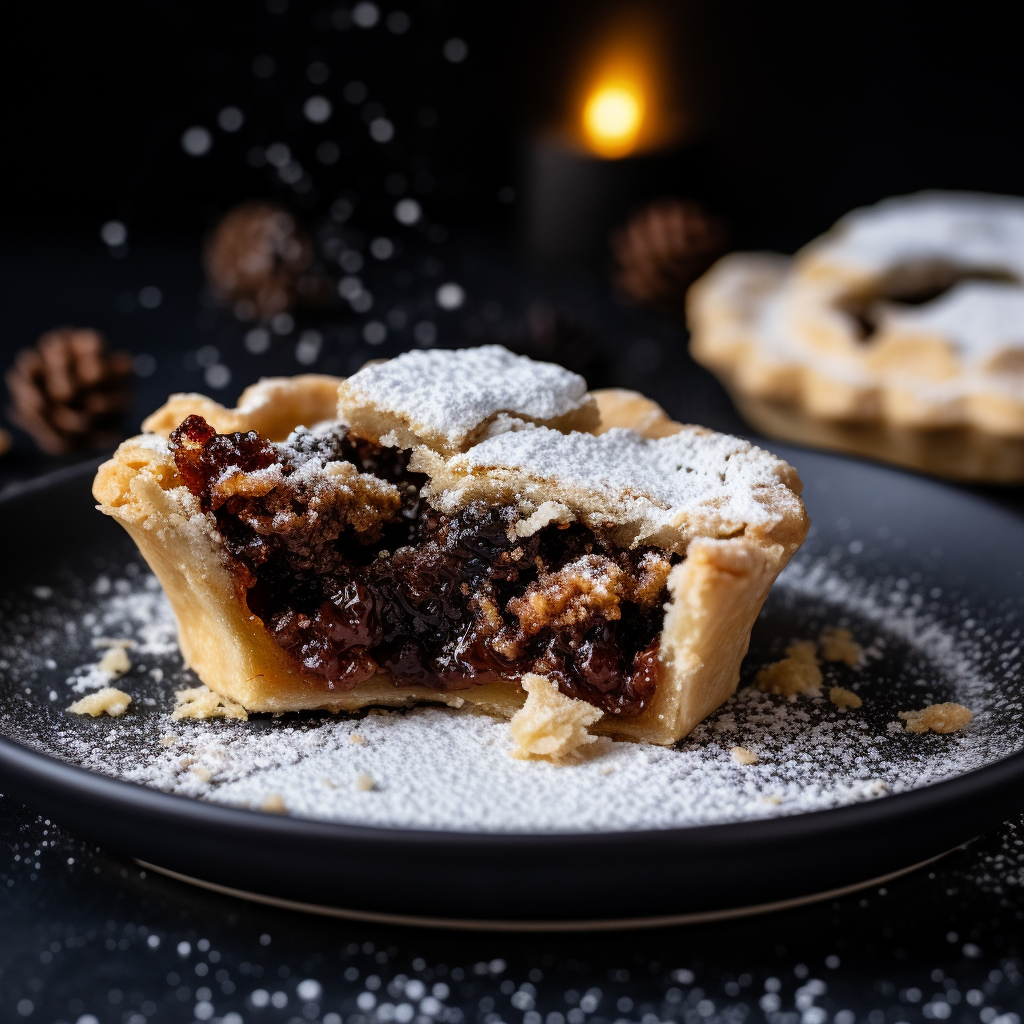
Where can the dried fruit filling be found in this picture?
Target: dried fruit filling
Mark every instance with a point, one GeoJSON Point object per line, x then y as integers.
{"type": "Point", "coordinates": [443, 601]}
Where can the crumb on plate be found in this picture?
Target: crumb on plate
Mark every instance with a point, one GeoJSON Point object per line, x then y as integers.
{"type": "Point", "coordinates": [743, 756]}
{"type": "Point", "coordinates": [550, 725]}
{"type": "Point", "coordinates": [115, 662]}
{"type": "Point", "coordinates": [839, 645]}
{"type": "Point", "coordinates": [202, 702]}
{"type": "Point", "coordinates": [843, 698]}
{"type": "Point", "coordinates": [797, 673]}
{"type": "Point", "coordinates": [274, 804]}
{"type": "Point", "coordinates": [944, 718]}
{"type": "Point", "coordinates": [107, 701]}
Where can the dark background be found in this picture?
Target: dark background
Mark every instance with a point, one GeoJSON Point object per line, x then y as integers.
{"type": "Point", "coordinates": [802, 110]}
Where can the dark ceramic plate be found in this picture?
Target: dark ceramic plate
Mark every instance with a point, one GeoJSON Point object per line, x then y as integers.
{"type": "Point", "coordinates": [930, 575]}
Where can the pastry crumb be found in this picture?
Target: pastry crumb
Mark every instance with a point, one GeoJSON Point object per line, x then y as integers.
{"type": "Point", "coordinates": [839, 645]}
{"type": "Point", "coordinates": [548, 512]}
{"type": "Point", "coordinates": [772, 798]}
{"type": "Point", "coordinates": [357, 739]}
{"type": "Point", "coordinates": [274, 804]}
{"type": "Point", "coordinates": [364, 782]}
{"type": "Point", "coordinates": [944, 718]}
{"type": "Point", "coordinates": [115, 662]}
{"type": "Point", "coordinates": [550, 725]}
{"type": "Point", "coordinates": [608, 769]}
{"type": "Point", "coordinates": [201, 773]}
{"type": "Point", "coordinates": [329, 783]}
{"type": "Point", "coordinates": [797, 673]}
{"type": "Point", "coordinates": [107, 701]}
{"type": "Point", "coordinates": [843, 698]}
{"type": "Point", "coordinates": [743, 756]}
{"type": "Point", "coordinates": [168, 740]}
{"type": "Point", "coordinates": [202, 702]}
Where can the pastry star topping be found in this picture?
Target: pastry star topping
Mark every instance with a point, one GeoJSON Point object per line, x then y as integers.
{"type": "Point", "coordinates": [447, 400]}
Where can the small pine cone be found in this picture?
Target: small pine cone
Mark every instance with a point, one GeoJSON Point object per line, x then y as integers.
{"type": "Point", "coordinates": [260, 263]}
{"type": "Point", "coordinates": [68, 392]}
{"type": "Point", "coordinates": [663, 249]}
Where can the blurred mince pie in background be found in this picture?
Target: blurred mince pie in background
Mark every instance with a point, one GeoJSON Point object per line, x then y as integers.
{"type": "Point", "coordinates": [897, 335]}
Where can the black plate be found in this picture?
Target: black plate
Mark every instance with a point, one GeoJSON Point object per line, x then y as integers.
{"type": "Point", "coordinates": [869, 522]}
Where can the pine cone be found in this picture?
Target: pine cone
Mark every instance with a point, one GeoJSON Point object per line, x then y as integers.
{"type": "Point", "coordinates": [68, 392]}
{"type": "Point", "coordinates": [663, 249]}
{"type": "Point", "coordinates": [260, 262]}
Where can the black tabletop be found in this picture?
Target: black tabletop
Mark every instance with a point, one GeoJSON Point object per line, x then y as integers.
{"type": "Point", "coordinates": [88, 937]}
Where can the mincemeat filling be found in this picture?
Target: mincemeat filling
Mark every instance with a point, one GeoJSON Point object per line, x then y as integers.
{"type": "Point", "coordinates": [442, 601]}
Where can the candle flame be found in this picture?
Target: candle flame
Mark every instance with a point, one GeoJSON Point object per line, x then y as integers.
{"type": "Point", "coordinates": [612, 117]}
{"type": "Point", "coordinates": [624, 83]}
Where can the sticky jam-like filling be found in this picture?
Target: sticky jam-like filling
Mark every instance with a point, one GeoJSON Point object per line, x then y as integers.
{"type": "Point", "coordinates": [442, 601]}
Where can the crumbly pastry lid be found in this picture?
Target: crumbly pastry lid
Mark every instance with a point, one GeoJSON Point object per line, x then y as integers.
{"type": "Point", "coordinates": [716, 482]}
{"type": "Point", "coordinates": [450, 393]}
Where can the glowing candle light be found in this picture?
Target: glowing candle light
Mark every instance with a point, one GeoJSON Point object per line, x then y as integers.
{"type": "Point", "coordinates": [616, 140]}
{"type": "Point", "coordinates": [612, 117]}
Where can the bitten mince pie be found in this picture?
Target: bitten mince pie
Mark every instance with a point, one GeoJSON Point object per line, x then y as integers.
{"type": "Point", "coordinates": [899, 334]}
{"type": "Point", "coordinates": [462, 524]}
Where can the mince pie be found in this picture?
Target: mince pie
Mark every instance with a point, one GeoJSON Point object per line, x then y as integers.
{"type": "Point", "coordinates": [462, 526]}
{"type": "Point", "coordinates": [898, 335]}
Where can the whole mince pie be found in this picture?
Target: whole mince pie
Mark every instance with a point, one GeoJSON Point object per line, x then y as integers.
{"type": "Point", "coordinates": [897, 335]}
{"type": "Point", "coordinates": [463, 528]}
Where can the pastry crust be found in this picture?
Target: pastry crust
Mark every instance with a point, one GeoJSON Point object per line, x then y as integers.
{"type": "Point", "coordinates": [274, 406]}
{"type": "Point", "coordinates": [715, 592]}
{"type": "Point", "coordinates": [898, 335]}
{"type": "Point", "coordinates": [397, 402]}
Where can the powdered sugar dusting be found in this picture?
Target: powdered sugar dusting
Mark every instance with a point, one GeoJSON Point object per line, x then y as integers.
{"type": "Point", "coordinates": [968, 230]}
{"type": "Point", "coordinates": [979, 318]}
{"type": "Point", "coordinates": [437, 769]}
{"type": "Point", "coordinates": [451, 392]}
{"type": "Point", "coordinates": [665, 480]}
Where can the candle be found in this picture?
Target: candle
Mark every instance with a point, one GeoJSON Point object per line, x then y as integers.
{"type": "Point", "coordinates": [618, 147]}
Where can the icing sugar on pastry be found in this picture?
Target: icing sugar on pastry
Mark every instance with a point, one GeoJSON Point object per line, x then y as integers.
{"type": "Point", "coordinates": [447, 399]}
{"type": "Point", "coordinates": [979, 319]}
{"type": "Point", "coordinates": [972, 231]}
{"type": "Point", "coordinates": [664, 490]}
